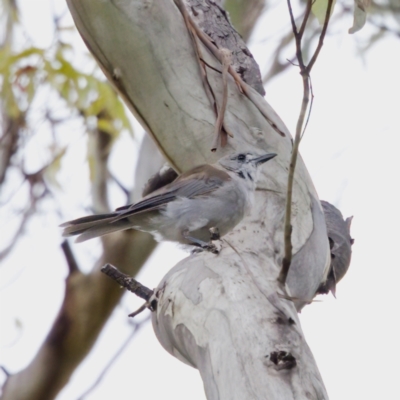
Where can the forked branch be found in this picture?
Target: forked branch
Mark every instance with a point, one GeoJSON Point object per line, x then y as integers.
{"type": "Point", "coordinates": [305, 70]}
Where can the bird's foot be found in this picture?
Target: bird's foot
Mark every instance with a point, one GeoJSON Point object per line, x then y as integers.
{"type": "Point", "coordinates": [214, 234]}
{"type": "Point", "coordinates": [201, 245]}
{"type": "Point", "coordinates": [212, 247]}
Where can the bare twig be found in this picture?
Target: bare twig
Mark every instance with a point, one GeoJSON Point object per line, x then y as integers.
{"type": "Point", "coordinates": [127, 282]}
{"type": "Point", "coordinates": [139, 310]}
{"type": "Point", "coordinates": [321, 37]}
{"type": "Point", "coordinates": [305, 74]}
{"type": "Point", "coordinates": [305, 19]}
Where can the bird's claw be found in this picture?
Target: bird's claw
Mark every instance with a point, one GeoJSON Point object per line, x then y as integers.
{"type": "Point", "coordinates": [212, 248]}
{"type": "Point", "coordinates": [214, 234]}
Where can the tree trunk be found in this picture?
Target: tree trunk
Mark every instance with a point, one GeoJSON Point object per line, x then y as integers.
{"type": "Point", "coordinates": [225, 315]}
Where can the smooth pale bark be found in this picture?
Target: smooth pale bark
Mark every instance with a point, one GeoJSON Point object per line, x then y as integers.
{"type": "Point", "coordinates": [222, 314]}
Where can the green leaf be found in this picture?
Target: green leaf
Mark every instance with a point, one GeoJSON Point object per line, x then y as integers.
{"type": "Point", "coordinates": [319, 8]}
{"type": "Point", "coordinates": [359, 15]}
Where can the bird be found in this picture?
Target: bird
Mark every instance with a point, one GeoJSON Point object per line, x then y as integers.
{"type": "Point", "coordinates": [199, 206]}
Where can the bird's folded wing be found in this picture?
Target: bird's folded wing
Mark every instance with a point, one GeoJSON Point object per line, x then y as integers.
{"type": "Point", "coordinates": [199, 181]}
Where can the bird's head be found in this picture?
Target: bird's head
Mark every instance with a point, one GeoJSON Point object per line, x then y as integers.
{"type": "Point", "coordinates": [245, 164]}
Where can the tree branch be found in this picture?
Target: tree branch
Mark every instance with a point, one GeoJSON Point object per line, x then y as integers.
{"type": "Point", "coordinates": [321, 36]}
{"type": "Point", "coordinates": [305, 74]}
{"type": "Point", "coordinates": [69, 257]}
{"type": "Point", "coordinates": [127, 282]}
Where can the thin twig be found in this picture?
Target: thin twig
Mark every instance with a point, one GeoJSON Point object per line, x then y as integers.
{"type": "Point", "coordinates": [305, 18]}
{"type": "Point", "coordinates": [292, 20]}
{"type": "Point", "coordinates": [299, 54]}
{"type": "Point", "coordinates": [139, 310]}
{"type": "Point", "coordinates": [305, 74]}
{"type": "Point", "coordinates": [321, 36]}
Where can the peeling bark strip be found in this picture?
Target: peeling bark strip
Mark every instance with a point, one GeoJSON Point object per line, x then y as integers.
{"type": "Point", "coordinates": [214, 21]}
{"type": "Point", "coordinates": [242, 86]}
{"type": "Point", "coordinates": [220, 129]}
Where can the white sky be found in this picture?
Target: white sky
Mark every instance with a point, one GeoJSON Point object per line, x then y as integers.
{"type": "Point", "coordinates": [355, 339]}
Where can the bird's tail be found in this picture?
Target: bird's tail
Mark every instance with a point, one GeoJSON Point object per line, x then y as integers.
{"type": "Point", "coordinates": [94, 226]}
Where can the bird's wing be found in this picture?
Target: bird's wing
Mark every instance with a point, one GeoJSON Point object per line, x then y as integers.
{"type": "Point", "coordinates": [199, 181]}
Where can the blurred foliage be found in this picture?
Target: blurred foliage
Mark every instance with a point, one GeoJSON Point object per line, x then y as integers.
{"type": "Point", "coordinates": [46, 87]}
{"type": "Point", "coordinates": [381, 19]}
{"type": "Point", "coordinates": [24, 72]}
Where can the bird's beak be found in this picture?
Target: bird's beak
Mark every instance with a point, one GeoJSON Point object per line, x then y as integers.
{"type": "Point", "coordinates": [262, 159]}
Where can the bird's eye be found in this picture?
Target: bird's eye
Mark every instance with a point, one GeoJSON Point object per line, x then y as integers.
{"type": "Point", "coordinates": [241, 157]}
